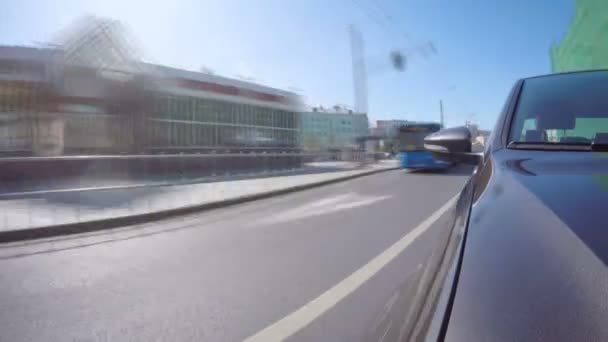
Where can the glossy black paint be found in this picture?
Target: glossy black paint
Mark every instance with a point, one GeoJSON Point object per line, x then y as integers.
{"type": "Point", "coordinates": [452, 140]}
{"type": "Point", "coordinates": [534, 258]}
{"type": "Point", "coordinates": [534, 262]}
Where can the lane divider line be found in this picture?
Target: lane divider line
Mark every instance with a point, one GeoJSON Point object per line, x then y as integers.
{"type": "Point", "coordinates": [299, 319]}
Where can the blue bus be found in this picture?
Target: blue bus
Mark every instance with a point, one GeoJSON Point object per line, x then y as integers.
{"type": "Point", "coordinates": [412, 154]}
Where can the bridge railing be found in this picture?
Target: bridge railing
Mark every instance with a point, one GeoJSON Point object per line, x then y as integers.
{"type": "Point", "coordinates": [31, 174]}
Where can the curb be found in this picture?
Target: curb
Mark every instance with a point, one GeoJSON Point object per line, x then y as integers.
{"type": "Point", "coordinates": [97, 225]}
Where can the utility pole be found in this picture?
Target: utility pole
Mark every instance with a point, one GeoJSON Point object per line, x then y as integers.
{"type": "Point", "coordinates": [441, 113]}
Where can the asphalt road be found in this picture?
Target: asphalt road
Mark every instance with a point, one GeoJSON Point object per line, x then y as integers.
{"type": "Point", "coordinates": [226, 274]}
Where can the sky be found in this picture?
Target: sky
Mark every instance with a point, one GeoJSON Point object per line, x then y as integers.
{"type": "Point", "coordinates": [482, 46]}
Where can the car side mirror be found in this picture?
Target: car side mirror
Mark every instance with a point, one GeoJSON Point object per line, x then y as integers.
{"type": "Point", "coordinates": [452, 145]}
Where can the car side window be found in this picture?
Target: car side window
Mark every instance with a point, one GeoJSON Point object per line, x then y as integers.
{"type": "Point", "coordinates": [588, 127]}
{"type": "Point", "coordinates": [585, 130]}
{"type": "Point", "coordinates": [529, 125]}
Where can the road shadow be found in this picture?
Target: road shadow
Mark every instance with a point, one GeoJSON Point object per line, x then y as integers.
{"type": "Point", "coordinates": [456, 170]}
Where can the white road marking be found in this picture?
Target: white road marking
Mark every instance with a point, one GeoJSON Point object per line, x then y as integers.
{"type": "Point", "coordinates": [297, 320]}
{"type": "Point", "coordinates": [388, 327]}
{"type": "Point", "coordinates": [324, 206]}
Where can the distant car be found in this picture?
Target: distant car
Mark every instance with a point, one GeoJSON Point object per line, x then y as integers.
{"type": "Point", "coordinates": [530, 253]}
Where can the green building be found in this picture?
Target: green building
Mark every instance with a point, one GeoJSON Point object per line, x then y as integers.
{"type": "Point", "coordinates": [585, 45]}
{"type": "Point", "coordinates": [332, 129]}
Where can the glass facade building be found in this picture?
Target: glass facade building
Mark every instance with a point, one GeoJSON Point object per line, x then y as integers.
{"type": "Point", "coordinates": [171, 111]}
{"type": "Point", "coordinates": [323, 130]}
{"type": "Point", "coordinates": [200, 122]}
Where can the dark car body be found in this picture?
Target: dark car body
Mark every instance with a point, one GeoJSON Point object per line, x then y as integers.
{"type": "Point", "coordinates": [530, 263]}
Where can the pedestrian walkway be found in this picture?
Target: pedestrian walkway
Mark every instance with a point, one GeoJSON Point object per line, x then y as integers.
{"type": "Point", "coordinates": [52, 209]}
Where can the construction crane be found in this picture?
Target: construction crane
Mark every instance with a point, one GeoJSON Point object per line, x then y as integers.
{"type": "Point", "coordinates": [359, 71]}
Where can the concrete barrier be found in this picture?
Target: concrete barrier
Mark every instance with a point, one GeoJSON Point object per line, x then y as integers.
{"type": "Point", "coordinates": [23, 174]}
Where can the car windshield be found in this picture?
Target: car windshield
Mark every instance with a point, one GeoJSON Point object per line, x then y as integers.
{"type": "Point", "coordinates": [566, 109]}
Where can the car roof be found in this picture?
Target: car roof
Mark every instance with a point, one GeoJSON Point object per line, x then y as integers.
{"type": "Point", "coordinates": [565, 73]}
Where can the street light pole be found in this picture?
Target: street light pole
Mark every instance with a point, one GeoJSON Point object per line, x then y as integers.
{"type": "Point", "coordinates": [441, 113]}
{"type": "Point", "coordinates": [470, 118]}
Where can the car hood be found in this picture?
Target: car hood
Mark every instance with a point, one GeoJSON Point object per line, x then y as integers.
{"type": "Point", "coordinates": [536, 253]}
